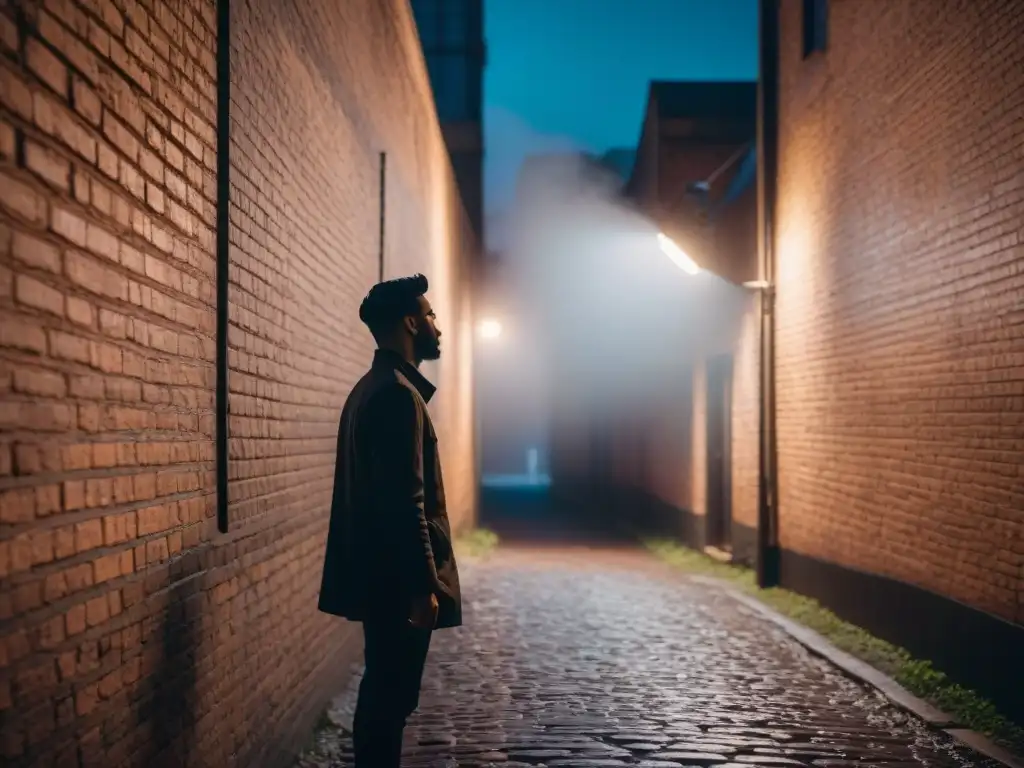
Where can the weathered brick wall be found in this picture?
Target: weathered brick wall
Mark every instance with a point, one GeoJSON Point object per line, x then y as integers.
{"type": "Point", "coordinates": [901, 192]}
{"type": "Point", "coordinates": [746, 403]}
{"type": "Point", "coordinates": [130, 627]}
{"type": "Point", "coordinates": [108, 373]}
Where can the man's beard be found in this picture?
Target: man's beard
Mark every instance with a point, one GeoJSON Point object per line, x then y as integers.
{"type": "Point", "coordinates": [426, 346]}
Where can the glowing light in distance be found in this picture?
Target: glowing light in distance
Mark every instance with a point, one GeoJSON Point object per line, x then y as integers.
{"type": "Point", "coordinates": [490, 329]}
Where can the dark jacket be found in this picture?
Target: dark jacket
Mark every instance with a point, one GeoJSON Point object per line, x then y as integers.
{"type": "Point", "coordinates": [389, 539]}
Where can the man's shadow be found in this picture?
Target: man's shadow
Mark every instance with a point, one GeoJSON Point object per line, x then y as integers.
{"type": "Point", "coordinates": [168, 711]}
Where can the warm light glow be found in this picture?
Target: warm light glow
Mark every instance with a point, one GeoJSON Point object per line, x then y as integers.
{"type": "Point", "coordinates": [490, 329]}
{"type": "Point", "coordinates": [677, 254]}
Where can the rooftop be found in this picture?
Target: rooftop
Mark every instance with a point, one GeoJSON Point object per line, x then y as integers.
{"type": "Point", "coordinates": [715, 100]}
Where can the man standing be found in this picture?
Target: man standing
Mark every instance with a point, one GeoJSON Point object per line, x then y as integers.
{"type": "Point", "coordinates": [389, 562]}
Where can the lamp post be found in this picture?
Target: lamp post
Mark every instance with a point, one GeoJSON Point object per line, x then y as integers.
{"type": "Point", "coordinates": [769, 569]}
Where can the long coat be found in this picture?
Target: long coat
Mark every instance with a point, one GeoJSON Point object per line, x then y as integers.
{"type": "Point", "coordinates": [389, 539]}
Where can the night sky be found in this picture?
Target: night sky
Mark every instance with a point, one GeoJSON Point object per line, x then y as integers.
{"type": "Point", "coordinates": [566, 74]}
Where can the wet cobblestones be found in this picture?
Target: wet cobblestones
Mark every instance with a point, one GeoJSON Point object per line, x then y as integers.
{"type": "Point", "coordinates": [581, 658]}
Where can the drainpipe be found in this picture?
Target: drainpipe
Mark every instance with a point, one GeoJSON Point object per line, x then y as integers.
{"type": "Point", "coordinates": [223, 246]}
{"type": "Point", "coordinates": [383, 204]}
{"type": "Point", "coordinates": [768, 570]}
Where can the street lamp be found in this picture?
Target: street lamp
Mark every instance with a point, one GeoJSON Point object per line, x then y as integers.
{"type": "Point", "coordinates": [682, 260]}
{"type": "Point", "coordinates": [678, 256]}
{"type": "Point", "coordinates": [490, 329]}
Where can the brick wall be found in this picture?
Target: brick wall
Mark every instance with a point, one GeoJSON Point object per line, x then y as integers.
{"type": "Point", "coordinates": [901, 192]}
{"type": "Point", "coordinates": [130, 629]}
{"type": "Point", "coordinates": [746, 403]}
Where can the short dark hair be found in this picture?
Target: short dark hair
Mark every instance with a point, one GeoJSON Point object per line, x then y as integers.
{"type": "Point", "coordinates": [388, 302]}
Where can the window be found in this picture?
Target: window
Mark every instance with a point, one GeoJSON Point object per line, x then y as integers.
{"type": "Point", "coordinates": [815, 26]}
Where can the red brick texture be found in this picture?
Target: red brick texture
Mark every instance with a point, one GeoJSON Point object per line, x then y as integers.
{"type": "Point", "coordinates": [131, 631]}
{"type": "Point", "coordinates": [900, 395]}
{"type": "Point", "coordinates": [745, 427]}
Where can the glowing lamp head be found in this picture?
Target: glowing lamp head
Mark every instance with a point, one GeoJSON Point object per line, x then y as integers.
{"type": "Point", "coordinates": [490, 329]}
{"type": "Point", "coordinates": [677, 255]}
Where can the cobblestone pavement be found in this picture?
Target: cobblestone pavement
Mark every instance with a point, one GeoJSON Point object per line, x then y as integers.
{"type": "Point", "coordinates": [587, 658]}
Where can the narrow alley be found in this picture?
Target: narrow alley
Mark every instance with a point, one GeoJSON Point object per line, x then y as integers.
{"type": "Point", "coordinates": [743, 276]}
{"type": "Point", "coordinates": [588, 657]}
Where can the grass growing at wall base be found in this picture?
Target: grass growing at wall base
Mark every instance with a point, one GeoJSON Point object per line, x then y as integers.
{"type": "Point", "coordinates": [916, 675]}
{"type": "Point", "coordinates": [476, 542]}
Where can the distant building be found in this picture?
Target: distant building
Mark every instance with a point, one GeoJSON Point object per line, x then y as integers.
{"type": "Point", "coordinates": [695, 178]}
{"type": "Point", "coordinates": [516, 372]}
{"type": "Point", "coordinates": [452, 35]}
{"type": "Point", "coordinates": [659, 449]}
{"type": "Point", "coordinates": [696, 137]}
{"type": "Point", "coordinates": [881, 386]}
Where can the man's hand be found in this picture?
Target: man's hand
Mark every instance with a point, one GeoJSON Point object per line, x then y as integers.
{"type": "Point", "coordinates": [424, 612]}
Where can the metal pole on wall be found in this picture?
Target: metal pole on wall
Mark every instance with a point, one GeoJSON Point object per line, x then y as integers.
{"type": "Point", "coordinates": [383, 197]}
{"type": "Point", "coordinates": [223, 242]}
{"type": "Point", "coordinates": [768, 565]}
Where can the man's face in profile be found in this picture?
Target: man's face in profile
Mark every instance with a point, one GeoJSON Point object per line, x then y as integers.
{"type": "Point", "coordinates": [426, 343]}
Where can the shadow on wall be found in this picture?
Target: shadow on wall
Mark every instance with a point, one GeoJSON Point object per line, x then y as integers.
{"type": "Point", "coordinates": [168, 711]}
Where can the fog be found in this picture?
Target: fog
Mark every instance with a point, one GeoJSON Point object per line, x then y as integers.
{"type": "Point", "coordinates": [597, 322]}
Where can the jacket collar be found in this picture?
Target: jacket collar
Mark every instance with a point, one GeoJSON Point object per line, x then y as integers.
{"type": "Point", "coordinates": [385, 358]}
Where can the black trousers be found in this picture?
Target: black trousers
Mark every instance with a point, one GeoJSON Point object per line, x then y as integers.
{"type": "Point", "coordinates": [389, 692]}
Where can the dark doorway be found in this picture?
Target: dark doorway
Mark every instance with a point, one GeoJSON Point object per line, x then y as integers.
{"type": "Point", "coordinates": [719, 453]}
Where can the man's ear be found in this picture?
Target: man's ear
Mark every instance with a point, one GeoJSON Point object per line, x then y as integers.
{"type": "Point", "coordinates": [409, 321]}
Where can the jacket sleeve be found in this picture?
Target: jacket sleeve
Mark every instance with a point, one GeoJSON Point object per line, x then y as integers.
{"type": "Point", "coordinates": [397, 485]}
